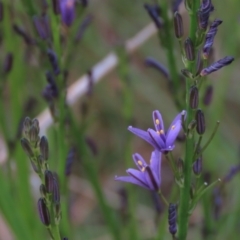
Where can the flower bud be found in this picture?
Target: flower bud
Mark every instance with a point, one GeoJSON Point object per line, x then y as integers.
{"type": "Point", "coordinates": [193, 97]}
{"type": "Point", "coordinates": [189, 49]}
{"type": "Point", "coordinates": [43, 212]}
{"type": "Point", "coordinates": [172, 218]}
{"type": "Point", "coordinates": [200, 119]}
{"type": "Point", "coordinates": [207, 98]}
{"type": "Point", "coordinates": [178, 25]}
{"type": "Point", "coordinates": [35, 123]}
{"type": "Point", "coordinates": [49, 181]}
{"type": "Point", "coordinates": [27, 147]}
{"type": "Point", "coordinates": [27, 123]}
{"type": "Point", "coordinates": [153, 11]}
{"type": "Point", "coordinates": [44, 147]}
{"type": "Point", "coordinates": [33, 134]}
{"type": "Point", "coordinates": [197, 166]}
{"type": "Point", "coordinates": [56, 192]}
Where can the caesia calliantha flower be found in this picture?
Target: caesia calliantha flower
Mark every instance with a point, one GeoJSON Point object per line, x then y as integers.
{"type": "Point", "coordinates": [67, 9]}
{"type": "Point", "coordinates": [159, 139]}
{"type": "Point", "coordinates": [148, 175]}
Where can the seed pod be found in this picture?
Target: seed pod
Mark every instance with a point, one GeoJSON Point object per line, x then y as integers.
{"type": "Point", "coordinates": [27, 147]}
{"type": "Point", "coordinates": [189, 49]}
{"type": "Point", "coordinates": [194, 97]}
{"type": "Point", "coordinates": [172, 218]}
{"type": "Point", "coordinates": [49, 181]}
{"type": "Point", "coordinates": [44, 147]}
{"type": "Point", "coordinates": [200, 119]}
{"type": "Point", "coordinates": [56, 192]}
{"type": "Point", "coordinates": [178, 25]}
{"type": "Point", "coordinates": [43, 212]}
{"type": "Point", "coordinates": [197, 166]}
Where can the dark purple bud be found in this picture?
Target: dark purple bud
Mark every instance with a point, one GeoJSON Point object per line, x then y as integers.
{"type": "Point", "coordinates": [43, 191]}
{"type": "Point", "coordinates": [232, 172]}
{"type": "Point", "coordinates": [203, 14]}
{"type": "Point", "coordinates": [197, 166]}
{"type": "Point", "coordinates": [35, 123]}
{"type": "Point", "coordinates": [42, 26]}
{"type": "Point", "coordinates": [56, 6]}
{"type": "Point", "coordinates": [186, 73]}
{"type": "Point", "coordinates": [28, 40]}
{"type": "Point", "coordinates": [1, 11]}
{"type": "Point", "coordinates": [33, 134]}
{"type": "Point", "coordinates": [26, 146]}
{"type": "Point", "coordinates": [85, 23]}
{"type": "Point", "coordinates": [70, 159]}
{"type": "Point", "coordinates": [199, 64]}
{"type": "Point", "coordinates": [200, 119]}
{"type": "Point", "coordinates": [49, 181]}
{"type": "Point", "coordinates": [8, 63]}
{"type": "Point", "coordinates": [172, 218]}
{"type": "Point", "coordinates": [43, 212]}
{"type": "Point", "coordinates": [51, 90]}
{"type": "Point", "coordinates": [54, 61]}
{"type": "Point", "coordinates": [208, 95]}
{"type": "Point", "coordinates": [67, 9]}
{"type": "Point", "coordinates": [178, 25]}
{"type": "Point", "coordinates": [27, 123]}
{"type": "Point", "coordinates": [193, 97]}
{"type": "Point", "coordinates": [44, 147]}
{"type": "Point", "coordinates": [175, 5]}
{"type": "Point", "coordinates": [151, 62]}
{"type": "Point", "coordinates": [154, 12]}
{"type": "Point", "coordinates": [189, 49]}
{"type": "Point", "coordinates": [216, 66]}
{"type": "Point", "coordinates": [210, 38]}
{"type": "Point", "coordinates": [56, 192]}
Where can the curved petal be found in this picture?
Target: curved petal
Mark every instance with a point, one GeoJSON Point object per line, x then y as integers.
{"type": "Point", "coordinates": [130, 179]}
{"type": "Point", "coordinates": [138, 176]}
{"type": "Point", "coordinates": [155, 164]}
{"type": "Point", "coordinates": [158, 121]}
{"type": "Point", "coordinates": [142, 134]}
{"type": "Point", "coordinates": [173, 132]}
{"type": "Point", "coordinates": [139, 161]}
{"type": "Point", "coordinates": [158, 143]}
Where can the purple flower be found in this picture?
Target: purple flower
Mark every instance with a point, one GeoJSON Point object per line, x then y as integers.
{"type": "Point", "coordinates": [149, 176]}
{"type": "Point", "coordinates": [67, 8]}
{"type": "Point", "coordinates": [160, 140]}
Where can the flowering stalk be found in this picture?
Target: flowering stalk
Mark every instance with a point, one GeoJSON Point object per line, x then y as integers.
{"type": "Point", "coordinates": [189, 148]}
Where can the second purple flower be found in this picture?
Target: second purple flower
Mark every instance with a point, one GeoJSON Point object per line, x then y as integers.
{"type": "Point", "coordinates": [159, 139]}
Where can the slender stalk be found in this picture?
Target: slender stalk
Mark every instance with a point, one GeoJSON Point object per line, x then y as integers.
{"type": "Point", "coordinates": [170, 51]}
{"type": "Point", "coordinates": [185, 191]}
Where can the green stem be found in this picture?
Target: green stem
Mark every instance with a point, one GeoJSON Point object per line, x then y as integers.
{"type": "Point", "coordinates": [185, 191]}
{"type": "Point", "coordinates": [174, 76]}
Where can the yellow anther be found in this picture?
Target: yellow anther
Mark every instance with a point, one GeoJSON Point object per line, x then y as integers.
{"type": "Point", "coordinates": [139, 163]}
{"type": "Point", "coordinates": [161, 132]}
{"type": "Point", "coordinates": [173, 126]}
{"type": "Point", "coordinates": [143, 169]}
{"type": "Point", "coordinates": [157, 121]}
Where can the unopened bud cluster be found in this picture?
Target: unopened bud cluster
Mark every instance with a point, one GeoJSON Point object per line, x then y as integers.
{"type": "Point", "coordinates": [37, 150]}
